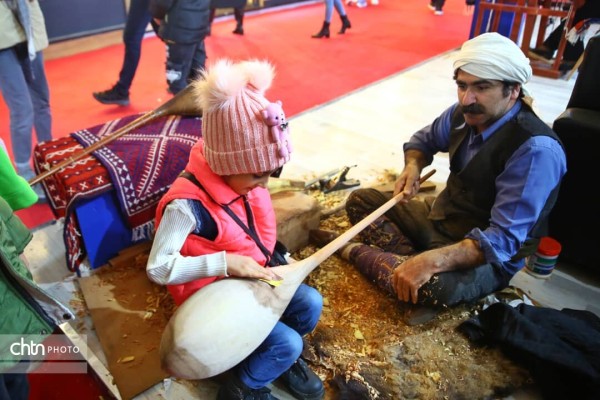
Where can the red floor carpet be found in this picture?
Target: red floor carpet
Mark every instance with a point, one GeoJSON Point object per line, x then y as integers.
{"type": "Point", "coordinates": [383, 40]}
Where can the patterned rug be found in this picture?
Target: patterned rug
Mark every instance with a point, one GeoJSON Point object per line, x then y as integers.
{"type": "Point", "coordinates": [140, 166]}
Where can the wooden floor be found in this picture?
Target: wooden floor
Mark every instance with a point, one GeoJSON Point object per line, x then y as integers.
{"type": "Point", "coordinates": [365, 128]}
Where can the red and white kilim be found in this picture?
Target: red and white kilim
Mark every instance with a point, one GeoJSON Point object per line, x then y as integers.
{"type": "Point", "coordinates": [140, 166]}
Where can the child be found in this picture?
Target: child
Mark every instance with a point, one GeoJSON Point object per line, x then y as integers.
{"type": "Point", "coordinates": [217, 220]}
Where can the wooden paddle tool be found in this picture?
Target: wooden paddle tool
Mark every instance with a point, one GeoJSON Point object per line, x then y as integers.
{"type": "Point", "coordinates": [221, 324]}
{"type": "Point", "coordinates": [183, 103]}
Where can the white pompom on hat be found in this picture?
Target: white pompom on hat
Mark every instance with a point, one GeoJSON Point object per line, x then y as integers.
{"type": "Point", "coordinates": [238, 139]}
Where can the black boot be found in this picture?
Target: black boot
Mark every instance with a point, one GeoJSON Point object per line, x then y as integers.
{"type": "Point", "coordinates": [323, 32]}
{"type": "Point", "coordinates": [235, 389]}
{"type": "Point", "coordinates": [239, 18]}
{"type": "Point", "coordinates": [302, 382]}
{"type": "Point", "coordinates": [345, 24]}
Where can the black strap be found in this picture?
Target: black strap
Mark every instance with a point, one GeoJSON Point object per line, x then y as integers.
{"type": "Point", "coordinates": [250, 229]}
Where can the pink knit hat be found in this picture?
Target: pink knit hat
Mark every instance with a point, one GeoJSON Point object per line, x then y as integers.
{"type": "Point", "coordinates": [243, 132]}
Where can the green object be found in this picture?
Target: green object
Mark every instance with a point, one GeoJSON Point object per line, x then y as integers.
{"type": "Point", "coordinates": [20, 314]}
{"type": "Point", "coordinates": [14, 188]}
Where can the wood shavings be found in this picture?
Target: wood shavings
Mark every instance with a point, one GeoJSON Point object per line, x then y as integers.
{"type": "Point", "coordinates": [365, 351]}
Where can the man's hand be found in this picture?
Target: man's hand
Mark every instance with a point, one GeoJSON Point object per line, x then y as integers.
{"type": "Point", "coordinates": [408, 183]}
{"type": "Point", "coordinates": [418, 270]}
{"type": "Point", "coordinates": [246, 267]}
{"type": "Point", "coordinates": [412, 274]}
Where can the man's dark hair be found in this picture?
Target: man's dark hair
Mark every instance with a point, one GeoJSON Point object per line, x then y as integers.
{"type": "Point", "coordinates": [506, 85]}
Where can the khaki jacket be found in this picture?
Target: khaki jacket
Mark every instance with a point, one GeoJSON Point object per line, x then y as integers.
{"type": "Point", "coordinates": [12, 32]}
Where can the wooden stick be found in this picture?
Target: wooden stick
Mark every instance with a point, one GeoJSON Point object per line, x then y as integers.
{"type": "Point", "coordinates": [182, 104]}
{"type": "Point", "coordinates": [221, 324]}
{"type": "Point", "coordinates": [575, 67]}
{"type": "Point", "coordinates": [345, 237]}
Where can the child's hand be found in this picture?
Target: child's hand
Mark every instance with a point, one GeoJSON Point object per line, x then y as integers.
{"type": "Point", "coordinates": [246, 267]}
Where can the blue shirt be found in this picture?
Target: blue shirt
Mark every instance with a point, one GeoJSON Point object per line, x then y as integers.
{"type": "Point", "coordinates": [522, 189]}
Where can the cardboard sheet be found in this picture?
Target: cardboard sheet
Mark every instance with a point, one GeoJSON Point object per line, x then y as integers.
{"type": "Point", "coordinates": [129, 315]}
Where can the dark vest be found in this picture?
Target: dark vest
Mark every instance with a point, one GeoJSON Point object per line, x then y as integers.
{"type": "Point", "coordinates": [469, 196]}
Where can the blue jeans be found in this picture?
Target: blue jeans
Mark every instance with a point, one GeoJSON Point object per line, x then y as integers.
{"type": "Point", "coordinates": [284, 344]}
{"type": "Point", "coordinates": [138, 19]}
{"type": "Point", "coordinates": [329, 5]}
{"type": "Point", "coordinates": [25, 90]}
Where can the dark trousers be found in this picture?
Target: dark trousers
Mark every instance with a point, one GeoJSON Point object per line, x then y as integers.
{"type": "Point", "coordinates": [184, 62]}
{"type": "Point", "coordinates": [138, 19]}
{"type": "Point", "coordinates": [237, 12]}
{"type": "Point", "coordinates": [378, 263]}
{"type": "Point", "coordinates": [438, 4]}
{"type": "Point", "coordinates": [572, 51]}
{"type": "Point", "coordinates": [14, 387]}
{"type": "Point", "coordinates": [590, 9]}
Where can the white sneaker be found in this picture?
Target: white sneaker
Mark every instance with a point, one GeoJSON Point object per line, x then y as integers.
{"type": "Point", "coordinates": [438, 12]}
{"type": "Point", "coordinates": [361, 3]}
{"type": "Point", "coordinates": [374, 2]}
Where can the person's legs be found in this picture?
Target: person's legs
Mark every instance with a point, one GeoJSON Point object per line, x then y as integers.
{"type": "Point", "coordinates": [272, 358]}
{"type": "Point", "coordinates": [27, 102]}
{"type": "Point", "coordinates": [302, 315]}
{"type": "Point", "coordinates": [553, 40]}
{"type": "Point", "coordinates": [284, 344]}
{"type": "Point", "coordinates": [239, 19]}
{"type": "Point", "coordinates": [138, 19]}
{"type": "Point", "coordinates": [198, 61]}
{"type": "Point", "coordinates": [15, 92]}
{"type": "Point", "coordinates": [415, 229]}
{"type": "Point", "coordinates": [211, 18]}
{"type": "Point", "coordinates": [376, 264]}
{"type": "Point", "coordinates": [339, 7]}
{"type": "Point", "coordinates": [463, 286]}
{"type": "Point", "coordinates": [179, 62]}
{"type": "Point", "coordinates": [40, 98]}
{"type": "Point", "coordinates": [328, 10]}
{"type": "Point", "coordinates": [573, 51]}
{"type": "Point", "coordinates": [379, 263]}
{"type": "Point", "coordinates": [279, 354]}
{"type": "Point", "coordinates": [436, 6]}
{"type": "Point", "coordinates": [304, 310]}
{"type": "Point", "coordinates": [324, 32]}
{"type": "Point", "coordinates": [546, 51]}
{"type": "Point", "coordinates": [444, 289]}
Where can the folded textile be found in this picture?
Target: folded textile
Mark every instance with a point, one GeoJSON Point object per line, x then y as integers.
{"type": "Point", "coordinates": [140, 166]}
{"type": "Point", "coordinates": [143, 163]}
{"type": "Point", "coordinates": [561, 349]}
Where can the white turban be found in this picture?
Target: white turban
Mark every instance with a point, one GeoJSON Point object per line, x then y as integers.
{"type": "Point", "coordinates": [493, 56]}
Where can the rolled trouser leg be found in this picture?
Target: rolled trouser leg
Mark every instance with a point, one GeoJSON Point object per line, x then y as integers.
{"type": "Point", "coordinates": [463, 286]}
{"type": "Point", "coordinates": [377, 265]}
{"type": "Point", "coordinates": [414, 228]}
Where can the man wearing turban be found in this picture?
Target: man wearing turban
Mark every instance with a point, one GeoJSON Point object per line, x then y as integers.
{"type": "Point", "coordinates": [505, 169]}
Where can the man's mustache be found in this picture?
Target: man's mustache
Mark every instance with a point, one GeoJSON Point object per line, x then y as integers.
{"type": "Point", "coordinates": [472, 109]}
